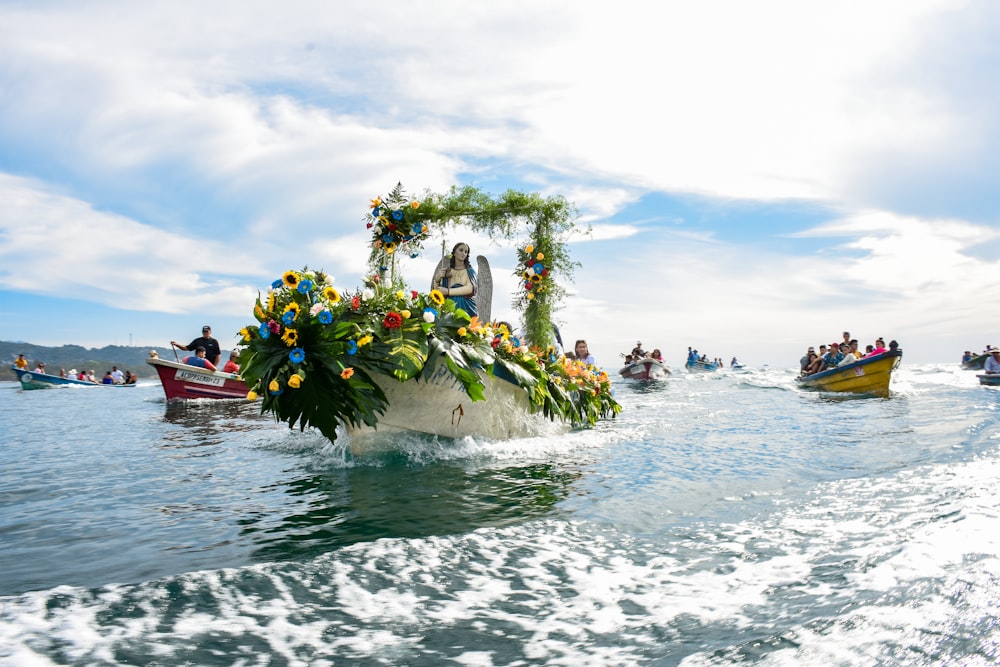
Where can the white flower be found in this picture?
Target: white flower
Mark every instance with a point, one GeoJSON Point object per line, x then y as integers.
{"type": "Point", "coordinates": [368, 294]}
{"type": "Point", "coordinates": [428, 316]}
{"type": "Point", "coordinates": [314, 311]}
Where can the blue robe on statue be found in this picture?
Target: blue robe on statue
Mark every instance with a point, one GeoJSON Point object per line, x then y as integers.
{"type": "Point", "coordinates": [466, 303]}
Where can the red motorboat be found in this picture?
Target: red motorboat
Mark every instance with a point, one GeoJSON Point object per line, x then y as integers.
{"type": "Point", "coordinates": [645, 370]}
{"type": "Point", "coordinates": [184, 382]}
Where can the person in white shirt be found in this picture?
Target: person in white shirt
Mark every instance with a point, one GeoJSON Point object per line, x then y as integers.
{"type": "Point", "coordinates": [992, 365]}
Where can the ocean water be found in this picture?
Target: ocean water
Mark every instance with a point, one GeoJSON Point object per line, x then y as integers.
{"type": "Point", "coordinates": [721, 519]}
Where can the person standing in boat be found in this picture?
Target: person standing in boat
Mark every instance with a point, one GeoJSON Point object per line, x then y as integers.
{"type": "Point", "coordinates": [456, 279]}
{"type": "Point", "coordinates": [212, 350]}
{"type": "Point", "coordinates": [21, 363]}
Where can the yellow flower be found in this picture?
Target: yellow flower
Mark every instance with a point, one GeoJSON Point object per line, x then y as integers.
{"type": "Point", "coordinates": [331, 295]}
{"type": "Point", "coordinates": [291, 337]}
{"type": "Point", "coordinates": [405, 314]}
{"type": "Point", "coordinates": [529, 249]}
{"type": "Point", "coordinates": [251, 395]}
{"type": "Point", "coordinates": [347, 373]}
{"type": "Point", "coordinates": [258, 313]}
{"type": "Point", "coordinates": [270, 302]}
{"type": "Point", "coordinates": [274, 386]}
{"type": "Point", "coordinates": [390, 247]}
{"type": "Point", "coordinates": [400, 294]}
{"type": "Point", "coordinates": [539, 257]}
{"type": "Point", "coordinates": [292, 307]}
{"type": "Point", "coordinates": [295, 381]}
{"type": "Point", "coordinates": [245, 333]}
{"type": "Point", "coordinates": [376, 202]}
{"type": "Point", "coordinates": [462, 332]}
{"type": "Point", "coordinates": [530, 296]}
{"type": "Point", "coordinates": [437, 297]}
{"type": "Point", "coordinates": [291, 279]}
{"type": "Point", "coordinates": [414, 204]}
{"type": "Point", "coordinates": [364, 340]}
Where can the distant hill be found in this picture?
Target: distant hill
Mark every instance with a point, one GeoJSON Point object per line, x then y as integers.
{"type": "Point", "coordinates": [74, 356]}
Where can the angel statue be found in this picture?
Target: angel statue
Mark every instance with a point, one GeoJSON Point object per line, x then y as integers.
{"type": "Point", "coordinates": [458, 281]}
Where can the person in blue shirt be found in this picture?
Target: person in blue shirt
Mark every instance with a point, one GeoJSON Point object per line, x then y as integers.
{"type": "Point", "coordinates": [198, 359]}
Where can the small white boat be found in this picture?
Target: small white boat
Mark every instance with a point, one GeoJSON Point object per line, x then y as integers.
{"type": "Point", "coordinates": [33, 380]}
{"type": "Point", "coordinates": [645, 370]}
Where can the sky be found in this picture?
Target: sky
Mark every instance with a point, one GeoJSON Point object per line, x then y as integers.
{"type": "Point", "coordinates": [755, 177]}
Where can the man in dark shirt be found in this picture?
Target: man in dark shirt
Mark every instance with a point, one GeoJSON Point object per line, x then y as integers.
{"type": "Point", "coordinates": [212, 350]}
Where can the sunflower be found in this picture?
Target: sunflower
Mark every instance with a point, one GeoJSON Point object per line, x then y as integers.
{"type": "Point", "coordinates": [291, 337]}
{"type": "Point", "coordinates": [437, 297]}
{"type": "Point", "coordinates": [331, 295]}
{"type": "Point", "coordinates": [291, 279]}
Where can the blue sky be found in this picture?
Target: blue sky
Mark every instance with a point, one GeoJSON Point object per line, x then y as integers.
{"type": "Point", "coordinates": [758, 177]}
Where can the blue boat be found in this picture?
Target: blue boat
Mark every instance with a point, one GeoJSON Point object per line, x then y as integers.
{"type": "Point", "coordinates": [33, 380]}
{"type": "Point", "coordinates": [701, 366]}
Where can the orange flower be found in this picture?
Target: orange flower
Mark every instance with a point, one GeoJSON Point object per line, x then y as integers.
{"type": "Point", "coordinates": [347, 373]}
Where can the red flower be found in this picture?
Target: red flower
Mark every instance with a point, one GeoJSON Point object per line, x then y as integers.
{"type": "Point", "coordinates": [414, 294]}
{"type": "Point", "coordinates": [495, 342]}
{"type": "Point", "coordinates": [393, 320]}
{"type": "Point", "coordinates": [273, 326]}
{"type": "Point", "coordinates": [545, 273]}
{"type": "Point", "coordinates": [530, 262]}
{"type": "Point", "coordinates": [369, 225]}
{"type": "Point", "coordinates": [355, 302]}
{"type": "Point", "coordinates": [527, 285]}
{"type": "Point", "coordinates": [392, 227]}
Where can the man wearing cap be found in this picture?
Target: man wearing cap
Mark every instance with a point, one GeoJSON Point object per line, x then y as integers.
{"type": "Point", "coordinates": [212, 350]}
{"type": "Point", "coordinates": [992, 365]}
{"type": "Point", "coordinates": [637, 351]}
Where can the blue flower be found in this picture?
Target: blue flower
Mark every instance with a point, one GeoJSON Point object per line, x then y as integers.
{"type": "Point", "coordinates": [375, 212]}
{"type": "Point", "coordinates": [325, 317]}
{"type": "Point", "coordinates": [397, 214]}
{"type": "Point", "coordinates": [305, 286]}
{"type": "Point", "coordinates": [265, 330]}
{"type": "Point", "coordinates": [515, 341]}
{"type": "Point", "coordinates": [297, 355]}
{"type": "Point", "coordinates": [288, 318]}
{"type": "Point", "coordinates": [538, 267]}
{"type": "Point", "coordinates": [415, 254]}
{"type": "Point", "coordinates": [352, 347]}
{"type": "Point", "coordinates": [418, 228]}
{"type": "Point", "coordinates": [277, 283]}
{"type": "Point", "coordinates": [387, 238]}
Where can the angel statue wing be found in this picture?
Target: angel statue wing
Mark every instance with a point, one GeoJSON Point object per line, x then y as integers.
{"type": "Point", "coordinates": [442, 266]}
{"type": "Point", "coordinates": [484, 289]}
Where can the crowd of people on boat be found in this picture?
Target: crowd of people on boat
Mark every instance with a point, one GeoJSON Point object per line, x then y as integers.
{"type": "Point", "coordinates": [841, 353]}
{"type": "Point", "coordinates": [968, 356]}
{"type": "Point", "coordinates": [114, 376]}
{"type": "Point", "coordinates": [638, 354]}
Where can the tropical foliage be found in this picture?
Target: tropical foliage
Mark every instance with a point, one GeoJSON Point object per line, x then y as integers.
{"type": "Point", "coordinates": [313, 353]}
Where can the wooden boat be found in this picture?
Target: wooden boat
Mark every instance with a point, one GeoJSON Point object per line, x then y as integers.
{"type": "Point", "coordinates": [184, 382]}
{"type": "Point", "coordinates": [869, 375]}
{"type": "Point", "coordinates": [33, 380]}
{"type": "Point", "coordinates": [645, 370]}
{"type": "Point", "coordinates": [976, 363]}
{"type": "Point", "coordinates": [991, 380]}
{"type": "Point", "coordinates": [697, 366]}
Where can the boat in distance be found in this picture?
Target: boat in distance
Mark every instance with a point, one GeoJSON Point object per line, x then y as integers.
{"type": "Point", "coordinates": [184, 382]}
{"type": "Point", "coordinates": [645, 370]}
{"type": "Point", "coordinates": [33, 380]}
{"type": "Point", "coordinates": [869, 375]}
{"type": "Point", "coordinates": [989, 380]}
{"type": "Point", "coordinates": [976, 362]}
{"type": "Point", "coordinates": [698, 366]}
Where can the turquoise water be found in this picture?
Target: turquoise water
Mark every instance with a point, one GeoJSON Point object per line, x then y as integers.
{"type": "Point", "coordinates": [722, 519]}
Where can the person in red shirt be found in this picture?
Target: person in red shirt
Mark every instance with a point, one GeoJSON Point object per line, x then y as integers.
{"type": "Point", "coordinates": [231, 365]}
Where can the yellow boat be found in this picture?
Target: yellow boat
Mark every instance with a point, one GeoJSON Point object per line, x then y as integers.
{"type": "Point", "coordinates": [869, 375]}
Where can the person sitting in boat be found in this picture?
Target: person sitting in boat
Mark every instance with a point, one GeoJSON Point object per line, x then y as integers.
{"type": "Point", "coordinates": [108, 378]}
{"type": "Point", "coordinates": [212, 350]}
{"type": "Point", "coordinates": [199, 359]}
{"type": "Point", "coordinates": [849, 356]}
{"type": "Point", "coordinates": [992, 365]}
{"type": "Point", "coordinates": [966, 357]}
{"type": "Point", "coordinates": [40, 368]}
{"type": "Point", "coordinates": [628, 359]}
{"type": "Point", "coordinates": [456, 279]}
{"type": "Point", "coordinates": [583, 353]}
{"type": "Point", "coordinates": [817, 361]}
{"type": "Point", "coordinates": [231, 365]}
{"type": "Point", "coordinates": [657, 355]}
{"type": "Point", "coordinates": [91, 377]}
{"type": "Point", "coordinates": [117, 375]}
{"type": "Point", "coordinates": [806, 359]}
{"type": "Point", "coordinates": [21, 363]}
{"type": "Point", "coordinates": [130, 377]}
{"type": "Point", "coordinates": [878, 349]}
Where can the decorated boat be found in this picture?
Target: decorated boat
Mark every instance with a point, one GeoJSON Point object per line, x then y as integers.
{"type": "Point", "coordinates": [868, 375]}
{"type": "Point", "coordinates": [33, 380]}
{"type": "Point", "coordinates": [645, 370]}
{"type": "Point", "coordinates": [385, 357]}
{"type": "Point", "coordinates": [698, 366]}
{"type": "Point", "coordinates": [990, 380]}
{"type": "Point", "coordinates": [184, 382]}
